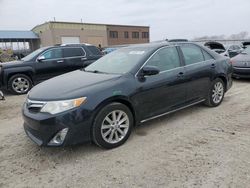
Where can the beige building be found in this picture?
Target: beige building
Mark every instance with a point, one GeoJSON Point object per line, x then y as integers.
{"type": "Point", "coordinates": [52, 33]}
{"type": "Point", "coordinates": [124, 34]}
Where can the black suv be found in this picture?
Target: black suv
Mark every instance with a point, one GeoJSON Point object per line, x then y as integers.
{"type": "Point", "coordinates": [45, 63]}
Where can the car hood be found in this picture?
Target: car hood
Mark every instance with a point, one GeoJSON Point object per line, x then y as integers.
{"type": "Point", "coordinates": [71, 85]}
{"type": "Point", "coordinates": [241, 60]}
{"type": "Point", "coordinates": [12, 64]}
{"type": "Point", "coordinates": [214, 45]}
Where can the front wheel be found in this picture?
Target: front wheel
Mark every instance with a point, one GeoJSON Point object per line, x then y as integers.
{"type": "Point", "coordinates": [19, 84]}
{"type": "Point", "coordinates": [216, 93]}
{"type": "Point", "coordinates": [112, 125]}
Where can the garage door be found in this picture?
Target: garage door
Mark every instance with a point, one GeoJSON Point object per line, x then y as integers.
{"type": "Point", "coordinates": [70, 40]}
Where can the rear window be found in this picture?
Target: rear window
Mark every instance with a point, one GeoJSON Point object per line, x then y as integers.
{"type": "Point", "coordinates": [207, 56]}
{"type": "Point", "coordinates": [73, 52]}
{"type": "Point", "coordinates": [94, 50]}
{"type": "Point", "coordinates": [192, 54]}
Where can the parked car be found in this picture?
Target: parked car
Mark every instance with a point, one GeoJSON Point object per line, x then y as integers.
{"type": "Point", "coordinates": [215, 46]}
{"type": "Point", "coordinates": [177, 40]}
{"type": "Point", "coordinates": [229, 51]}
{"type": "Point", "coordinates": [232, 50]}
{"type": "Point", "coordinates": [241, 64]}
{"type": "Point", "coordinates": [129, 86]}
{"type": "Point", "coordinates": [108, 50]}
{"type": "Point", "coordinates": [246, 44]}
{"type": "Point", "coordinates": [45, 63]}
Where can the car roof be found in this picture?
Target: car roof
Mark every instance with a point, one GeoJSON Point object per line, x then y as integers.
{"type": "Point", "coordinates": [156, 45]}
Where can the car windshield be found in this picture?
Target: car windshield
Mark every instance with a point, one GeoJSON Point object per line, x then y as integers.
{"type": "Point", "coordinates": [119, 62]}
{"type": "Point", "coordinates": [33, 54]}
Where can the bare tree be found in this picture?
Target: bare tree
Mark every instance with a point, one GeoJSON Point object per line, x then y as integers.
{"type": "Point", "coordinates": [239, 36]}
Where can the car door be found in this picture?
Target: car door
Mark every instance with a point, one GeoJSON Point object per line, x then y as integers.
{"type": "Point", "coordinates": [75, 57]}
{"type": "Point", "coordinates": [165, 91]}
{"type": "Point", "coordinates": [198, 71]}
{"type": "Point", "coordinates": [51, 64]}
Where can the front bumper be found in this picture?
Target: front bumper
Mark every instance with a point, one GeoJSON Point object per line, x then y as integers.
{"type": "Point", "coordinates": [42, 127]}
{"type": "Point", "coordinates": [241, 72]}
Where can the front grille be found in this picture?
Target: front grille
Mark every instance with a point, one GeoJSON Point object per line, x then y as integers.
{"type": "Point", "coordinates": [34, 106]}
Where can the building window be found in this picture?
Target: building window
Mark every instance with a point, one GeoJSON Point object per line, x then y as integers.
{"type": "Point", "coordinates": [126, 35]}
{"type": "Point", "coordinates": [113, 34]}
{"type": "Point", "coordinates": [145, 35]}
{"type": "Point", "coordinates": [135, 35]}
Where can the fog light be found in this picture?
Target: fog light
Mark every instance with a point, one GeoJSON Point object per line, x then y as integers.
{"type": "Point", "coordinates": [59, 138]}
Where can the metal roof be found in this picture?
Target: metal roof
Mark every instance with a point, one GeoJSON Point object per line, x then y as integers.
{"type": "Point", "coordinates": [5, 34]}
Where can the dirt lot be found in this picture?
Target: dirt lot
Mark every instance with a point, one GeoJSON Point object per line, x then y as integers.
{"type": "Point", "coordinates": [196, 147]}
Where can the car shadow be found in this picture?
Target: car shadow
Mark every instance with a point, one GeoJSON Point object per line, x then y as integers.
{"type": "Point", "coordinates": [241, 80]}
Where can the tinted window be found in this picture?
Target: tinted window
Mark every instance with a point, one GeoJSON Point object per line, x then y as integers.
{"type": "Point", "coordinates": [165, 59]}
{"type": "Point", "coordinates": [207, 56]}
{"type": "Point", "coordinates": [192, 54]}
{"type": "Point", "coordinates": [73, 52]}
{"type": "Point", "coordinates": [94, 50]}
{"type": "Point", "coordinates": [53, 54]}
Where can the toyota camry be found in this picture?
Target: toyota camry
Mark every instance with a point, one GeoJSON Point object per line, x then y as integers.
{"type": "Point", "coordinates": [132, 85]}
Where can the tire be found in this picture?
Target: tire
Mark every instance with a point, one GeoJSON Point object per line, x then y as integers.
{"type": "Point", "coordinates": [216, 93]}
{"type": "Point", "coordinates": [108, 133]}
{"type": "Point", "coordinates": [19, 84]}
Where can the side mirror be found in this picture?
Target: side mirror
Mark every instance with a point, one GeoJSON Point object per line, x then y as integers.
{"type": "Point", "coordinates": [41, 58]}
{"type": "Point", "coordinates": [149, 71]}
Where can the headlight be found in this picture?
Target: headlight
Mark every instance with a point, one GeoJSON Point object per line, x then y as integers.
{"type": "Point", "coordinates": [55, 107]}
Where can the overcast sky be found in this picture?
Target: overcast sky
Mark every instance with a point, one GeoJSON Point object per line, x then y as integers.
{"type": "Point", "coordinates": [166, 18]}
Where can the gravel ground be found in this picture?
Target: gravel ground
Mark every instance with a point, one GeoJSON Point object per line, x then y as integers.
{"type": "Point", "coordinates": [195, 147]}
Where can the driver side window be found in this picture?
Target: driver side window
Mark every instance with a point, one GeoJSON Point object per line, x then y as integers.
{"type": "Point", "coordinates": [53, 54]}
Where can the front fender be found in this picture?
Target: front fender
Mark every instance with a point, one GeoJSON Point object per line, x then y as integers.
{"type": "Point", "coordinates": [7, 73]}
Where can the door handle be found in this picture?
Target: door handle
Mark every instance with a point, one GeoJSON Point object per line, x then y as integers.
{"type": "Point", "coordinates": [181, 74]}
{"type": "Point", "coordinates": [84, 58]}
{"type": "Point", "coordinates": [213, 65]}
{"type": "Point", "coordinates": [60, 61]}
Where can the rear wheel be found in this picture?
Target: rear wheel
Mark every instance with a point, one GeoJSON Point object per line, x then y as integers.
{"type": "Point", "coordinates": [112, 125]}
{"type": "Point", "coordinates": [19, 84]}
{"type": "Point", "coordinates": [216, 93]}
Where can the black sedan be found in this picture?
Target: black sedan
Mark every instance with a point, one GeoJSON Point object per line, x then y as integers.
{"type": "Point", "coordinates": [241, 64]}
{"type": "Point", "coordinates": [102, 102]}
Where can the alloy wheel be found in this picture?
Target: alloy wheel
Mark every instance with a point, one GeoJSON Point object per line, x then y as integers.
{"type": "Point", "coordinates": [218, 92]}
{"type": "Point", "coordinates": [115, 126]}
